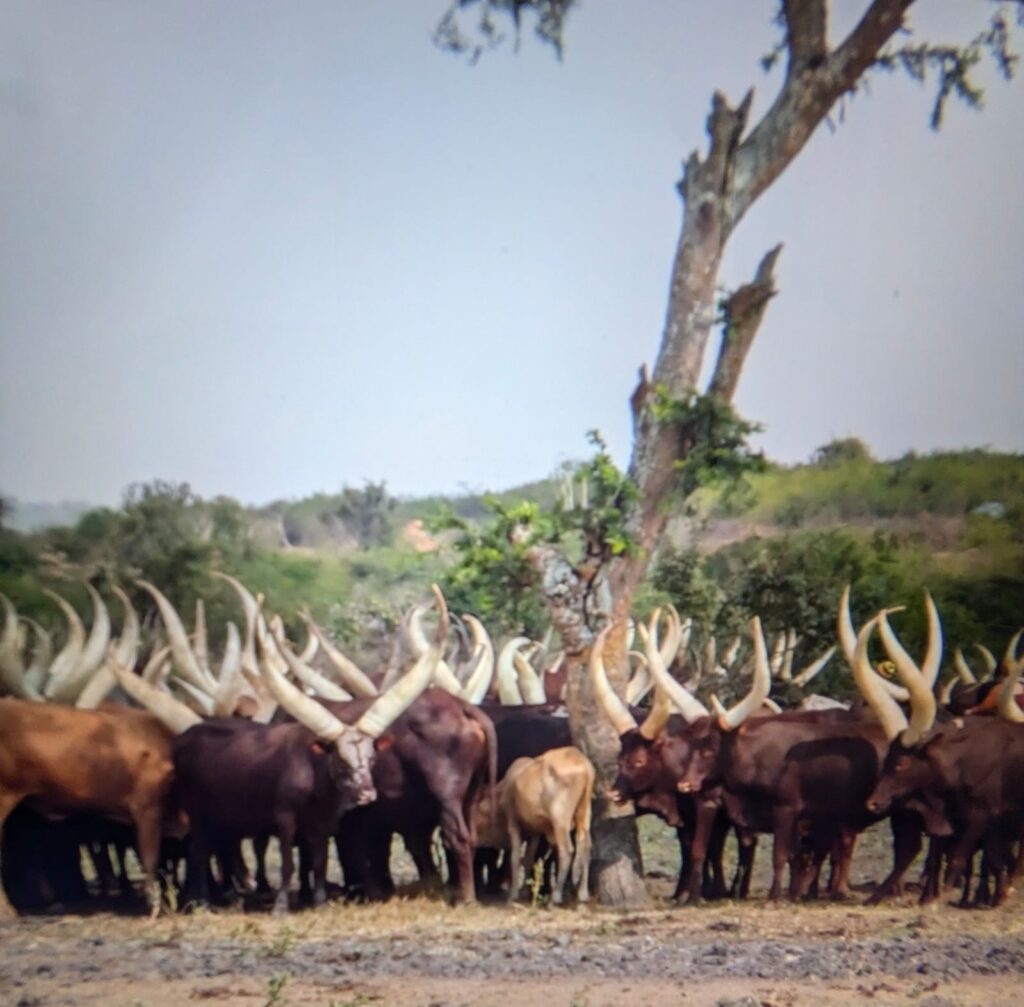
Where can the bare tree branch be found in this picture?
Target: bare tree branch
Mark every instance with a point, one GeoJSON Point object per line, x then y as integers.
{"type": "Point", "coordinates": [805, 100]}
{"type": "Point", "coordinates": [743, 313]}
{"type": "Point", "coordinates": [806, 34]}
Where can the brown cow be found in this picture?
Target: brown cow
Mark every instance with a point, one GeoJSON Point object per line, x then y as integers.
{"type": "Point", "coordinates": [115, 763]}
{"type": "Point", "coordinates": [545, 797]}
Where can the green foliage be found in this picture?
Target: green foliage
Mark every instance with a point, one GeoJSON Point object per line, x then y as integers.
{"type": "Point", "coordinates": [848, 488]}
{"type": "Point", "coordinates": [485, 32]}
{"type": "Point", "coordinates": [366, 513]}
{"type": "Point", "coordinates": [843, 451]}
{"type": "Point", "coordinates": [491, 576]}
{"type": "Point", "coordinates": [610, 496]}
{"type": "Point", "coordinates": [715, 449]}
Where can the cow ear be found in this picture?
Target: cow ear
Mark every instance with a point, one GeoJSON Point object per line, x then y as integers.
{"type": "Point", "coordinates": [384, 742]}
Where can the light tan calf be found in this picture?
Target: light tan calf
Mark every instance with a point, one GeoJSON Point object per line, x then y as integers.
{"type": "Point", "coordinates": [548, 796]}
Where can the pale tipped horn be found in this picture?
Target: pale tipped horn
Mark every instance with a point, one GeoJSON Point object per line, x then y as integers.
{"type": "Point", "coordinates": [530, 686]}
{"type": "Point", "coordinates": [848, 641]}
{"type": "Point", "coordinates": [760, 686]}
{"type": "Point", "coordinates": [388, 708]}
{"type": "Point", "coordinates": [201, 645]}
{"type": "Point", "coordinates": [173, 713]}
{"type": "Point", "coordinates": [67, 688]}
{"type": "Point", "coordinates": [1010, 656]}
{"type": "Point", "coordinates": [988, 657]}
{"type": "Point", "coordinates": [352, 677]}
{"type": "Point", "coordinates": [156, 667]}
{"type": "Point", "coordinates": [730, 653]}
{"type": "Point", "coordinates": [933, 654]}
{"type": "Point", "coordinates": [786, 671]}
{"type": "Point", "coordinates": [615, 710]}
{"type": "Point", "coordinates": [185, 662]}
{"type": "Point", "coordinates": [1008, 708]}
{"type": "Point", "coordinates": [480, 680]}
{"type": "Point", "coordinates": [890, 716]}
{"type": "Point", "coordinates": [691, 708]}
{"type": "Point", "coordinates": [199, 700]}
{"type": "Point", "coordinates": [12, 673]}
{"type": "Point", "coordinates": [640, 682]}
{"type": "Point", "coordinates": [417, 637]}
{"type": "Point", "coordinates": [963, 669]}
{"type": "Point", "coordinates": [803, 679]}
{"type": "Point", "coordinates": [922, 699]}
{"type": "Point", "coordinates": [309, 677]}
{"type": "Point", "coordinates": [229, 681]}
{"type": "Point", "coordinates": [125, 653]}
{"type": "Point", "coordinates": [311, 647]}
{"type": "Point", "coordinates": [71, 652]}
{"type": "Point", "coordinates": [42, 654]}
{"type": "Point", "coordinates": [508, 677]}
{"type": "Point", "coordinates": [778, 653]}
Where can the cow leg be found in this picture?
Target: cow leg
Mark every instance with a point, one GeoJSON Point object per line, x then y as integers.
{"type": "Point", "coordinates": [8, 802]}
{"type": "Point", "coordinates": [563, 846]}
{"type": "Point", "coordinates": [286, 840]}
{"type": "Point", "coordinates": [784, 848]}
{"type": "Point", "coordinates": [259, 849]}
{"type": "Point", "coordinates": [842, 864]}
{"type": "Point", "coordinates": [932, 869]}
{"type": "Point", "coordinates": [515, 860]}
{"type": "Point", "coordinates": [458, 837]}
{"type": "Point", "coordinates": [700, 838]}
{"type": "Point", "coordinates": [148, 822]}
{"type": "Point", "coordinates": [963, 850]}
{"type": "Point", "coordinates": [746, 850]}
{"type": "Point", "coordinates": [583, 853]}
{"type": "Point", "coordinates": [906, 845]}
{"type": "Point", "coordinates": [314, 850]}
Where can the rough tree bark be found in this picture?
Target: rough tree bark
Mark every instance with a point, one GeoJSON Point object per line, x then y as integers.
{"type": "Point", "coordinates": [717, 190]}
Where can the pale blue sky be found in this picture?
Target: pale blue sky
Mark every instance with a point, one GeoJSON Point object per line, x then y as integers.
{"type": "Point", "coordinates": [271, 248]}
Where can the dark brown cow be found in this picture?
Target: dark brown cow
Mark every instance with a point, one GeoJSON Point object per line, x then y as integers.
{"type": "Point", "coordinates": [112, 763]}
{"type": "Point", "coordinates": [969, 772]}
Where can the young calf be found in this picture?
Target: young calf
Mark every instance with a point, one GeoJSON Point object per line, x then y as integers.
{"type": "Point", "coordinates": [545, 797]}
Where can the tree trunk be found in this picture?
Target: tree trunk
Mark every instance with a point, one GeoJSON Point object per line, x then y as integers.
{"type": "Point", "coordinates": [717, 191]}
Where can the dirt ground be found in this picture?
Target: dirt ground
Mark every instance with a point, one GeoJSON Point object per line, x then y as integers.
{"type": "Point", "coordinates": [420, 952]}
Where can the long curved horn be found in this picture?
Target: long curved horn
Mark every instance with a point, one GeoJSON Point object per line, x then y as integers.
{"type": "Point", "coordinates": [229, 684]}
{"type": "Point", "coordinates": [640, 682]}
{"type": "Point", "coordinates": [508, 677]}
{"type": "Point", "coordinates": [185, 662]}
{"type": "Point", "coordinates": [786, 671]}
{"type": "Point", "coordinates": [417, 637]}
{"type": "Point", "coordinates": [730, 653]}
{"type": "Point", "coordinates": [933, 655]}
{"type": "Point", "coordinates": [155, 669]}
{"type": "Point", "coordinates": [530, 685]}
{"type": "Point", "coordinates": [615, 710]}
{"type": "Point", "coordinates": [1010, 656]}
{"type": "Point", "coordinates": [388, 708]}
{"type": "Point", "coordinates": [125, 653]}
{"type": "Point", "coordinates": [805, 676]}
{"type": "Point", "coordinates": [250, 608]}
{"type": "Point", "coordinates": [963, 669]}
{"type": "Point", "coordinates": [42, 654]}
{"type": "Point", "coordinates": [778, 653]}
{"type": "Point", "coordinates": [988, 657]}
{"type": "Point", "coordinates": [308, 676]}
{"type": "Point", "coordinates": [480, 680]}
{"type": "Point", "coordinates": [848, 641]}
{"type": "Point", "coordinates": [173, 713]}
{"type": "Point", "coordinates": [890, 716]}
{"type": "Point", "coordinates": [200, 701]}
{"type": "Point", "coordinates": [351, 675]}
{"type": "Point", "coordinates": [661, 709]}
{"type": "Point", "coordinates": [201, 645]}
{"type": "Point", "coordinates": [12, 673]}
{"type": "Point", "coordinates": [67, 688]}
{"type": "Point", "coordinates": [760, 686]}
{"type": "Point", "coordinates": [922, 698]}
{"type": "Point", "coordinates": [311, 647]}
{"type": "Point", "coordinates": [71, 652]}
{"type": "Point", "coordinates": [1008, 708]}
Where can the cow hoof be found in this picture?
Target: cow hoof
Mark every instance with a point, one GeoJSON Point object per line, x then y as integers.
{"type": "Point", "coordinates": [280, 905]}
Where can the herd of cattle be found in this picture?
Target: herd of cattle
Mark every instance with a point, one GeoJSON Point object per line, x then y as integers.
{"type": "Point", "coordinates": [298, 744]}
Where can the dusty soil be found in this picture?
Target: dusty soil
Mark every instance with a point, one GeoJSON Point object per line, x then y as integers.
{"type": "Point", "coordinates": [420, 952]}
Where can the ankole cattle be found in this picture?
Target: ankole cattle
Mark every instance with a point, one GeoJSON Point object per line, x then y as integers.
{"type": "Point", "coordinates": [548, 797]}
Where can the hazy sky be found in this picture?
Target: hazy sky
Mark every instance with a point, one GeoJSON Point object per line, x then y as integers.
{"type": "Point", "coordinates": [271, 248]}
